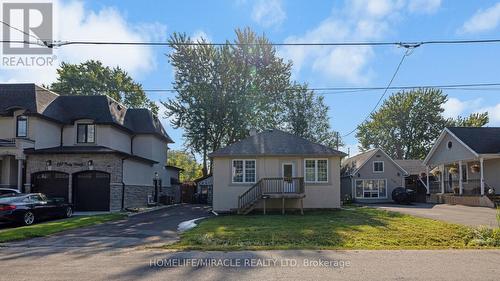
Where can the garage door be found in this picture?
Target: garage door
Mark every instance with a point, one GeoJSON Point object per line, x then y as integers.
{"type": "Point", "coordinates": [53, 184]}
{"type": "Point", "coordinates": [91, 191]}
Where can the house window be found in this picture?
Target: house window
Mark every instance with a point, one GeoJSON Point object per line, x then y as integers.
{"type": "Point", "coordinates": [244, 171]}
{"type": "Point", "coordinates": [378, 166]}
{"type": "Point", "coordinates": [449, 145]}
{"type": "Point", "coordinates": [316, 170]}
{"type": "Point", "coordinates": [366, 189]}
{"type": "Point", "coordinates": [85, 133]}
{"type": "Point", "coordinates": [22, 126]}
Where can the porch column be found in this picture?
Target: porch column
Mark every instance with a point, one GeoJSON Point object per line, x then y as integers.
{"type": "Point", "coordinates": [460, 182]}
{"type": "Point", "coordinates": [442, 179]}
{"type": "Point", "coordinates": [19, 174]}
{"type": "Point", "coordinates": [427, 180]}
{"type": "Point", "coordinates": [481, 160]}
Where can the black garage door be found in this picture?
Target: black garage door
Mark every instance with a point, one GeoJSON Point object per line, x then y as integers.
{"type": "Point", "coordinates": [91, 191]}
{"type": "Point", "coordinates": [53, 184]}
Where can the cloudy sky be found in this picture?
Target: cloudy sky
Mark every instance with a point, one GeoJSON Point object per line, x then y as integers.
{"type": "Point", "coordinates": [299, 21]}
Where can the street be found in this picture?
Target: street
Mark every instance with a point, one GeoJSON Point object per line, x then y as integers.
{"type": "Point", "coordinates": [17, 263]}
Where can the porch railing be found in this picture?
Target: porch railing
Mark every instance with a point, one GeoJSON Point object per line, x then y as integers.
{"type": "Point", "coordinates": [270, 186]}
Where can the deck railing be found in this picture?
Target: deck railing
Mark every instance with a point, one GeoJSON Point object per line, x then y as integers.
{"type": "Point", "coordinates": [265, 186]}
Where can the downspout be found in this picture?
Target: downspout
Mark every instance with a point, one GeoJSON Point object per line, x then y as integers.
{"type": "Point", "coordinates": [123, 188]}
{"type": "Point", "coordinates": [61, 138]}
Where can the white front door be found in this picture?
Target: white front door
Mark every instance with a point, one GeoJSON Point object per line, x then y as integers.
{"type": "Point", "coordinates": [288, 172]}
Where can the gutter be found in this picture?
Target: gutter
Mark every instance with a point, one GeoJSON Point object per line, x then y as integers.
{"type": "Point", "coordinates": [123, 188]}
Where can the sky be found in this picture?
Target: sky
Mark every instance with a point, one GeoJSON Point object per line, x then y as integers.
{"type": "Point", "coordinates": [298, 21]}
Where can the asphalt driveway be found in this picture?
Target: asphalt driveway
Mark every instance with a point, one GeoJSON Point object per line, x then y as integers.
{"type": "Point", "coordinates": [157, 227]}
{"type": "Point", "coordinates": [471, 216]}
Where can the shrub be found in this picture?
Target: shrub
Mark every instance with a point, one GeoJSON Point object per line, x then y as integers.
{"type": "Point", "coordinates": [484, 236]}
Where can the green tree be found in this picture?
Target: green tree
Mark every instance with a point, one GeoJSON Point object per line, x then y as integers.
{"type": "Point", "coordinates": [93, 78]}
{"type": "Point", "coordinates": [408, 122]}
{"type": "Point", "coordinates": [473, 120]}
{"type": "Point", "coordinates": [187, 162]}
{"type": "Point", "coordinates": [223, 92]}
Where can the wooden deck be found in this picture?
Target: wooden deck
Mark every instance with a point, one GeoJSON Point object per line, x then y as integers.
{"type": "Point", "coordinates": [272, 188]}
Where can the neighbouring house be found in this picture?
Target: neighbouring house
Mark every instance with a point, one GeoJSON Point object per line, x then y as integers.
{"type": "Point", "coordinates": [204, 189]}
{"type": "Point", "coordinates": [466, 162]}
{"type": "Point", "coordinates": [275, 170]}
{"type": "Point", "coordinates": [371, 177]}
{"type": "Point", "coordinates": [90, 150]}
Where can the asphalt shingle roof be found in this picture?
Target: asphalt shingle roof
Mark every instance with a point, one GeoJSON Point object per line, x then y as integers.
{"type": "Point", "coordinates": [412, 166]}
{"type": "Point", "coordinates": [483, 140]}
{"type": "Point", "coordinates": [352, 164]}
{"type": "Point", "coordinates": [275, 142]}
{"type": "Point", "coordinates": [67, 109]}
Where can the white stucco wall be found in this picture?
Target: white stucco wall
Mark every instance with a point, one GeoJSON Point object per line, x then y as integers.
{"type": "Point", "coordinates": [113, 138]}
{"type": "Point", "coordinates": [137, 173]}
{"type": "Point", "coordinates": [46, 133]}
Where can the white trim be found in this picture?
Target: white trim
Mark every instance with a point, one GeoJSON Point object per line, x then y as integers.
{"type": "Point", "coordinates": [405, 173]}
{"type": "Point", "coordinates": [244, 171]}
{"type": "Point", "coordinates": [438, 141]}
{"type": "Point", "coordinates": [373, 167]}
{"type": "Point", "coordinates": [384, 197]}
{"type": "Point", "coordinates": [316, 170]}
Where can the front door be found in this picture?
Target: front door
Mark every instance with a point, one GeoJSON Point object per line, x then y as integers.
{"type": "Point", "coordinates": [288, 172]}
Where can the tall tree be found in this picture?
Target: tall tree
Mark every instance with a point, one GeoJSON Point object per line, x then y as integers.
{"type": "Point", "coordinates": [407, 123]}
{"type": "Point", "coordinates": [223, 92]}
{"type": "Point", "coordinates": [93, 78]}
{"type": "Point", "coordinates": [191, 170]}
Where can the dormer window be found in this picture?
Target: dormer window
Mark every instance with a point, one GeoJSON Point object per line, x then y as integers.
{"type": "Point", "coordinates": [85, 133]}
{"type": "Point", "coordinates": [22, 126]}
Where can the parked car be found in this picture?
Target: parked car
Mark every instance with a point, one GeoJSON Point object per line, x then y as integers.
{"type": "Point", "coordinates": [30, 208]}
{"type": "Point", "coordinates": [403, 195]}
{"type": "Point", "coordinates": [8, 191]}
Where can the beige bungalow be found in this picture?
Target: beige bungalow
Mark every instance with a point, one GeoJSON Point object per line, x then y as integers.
{"type": "Point", "coordinates": [465, 163]}
{"type": "Point", "coordinates": [275, 170]}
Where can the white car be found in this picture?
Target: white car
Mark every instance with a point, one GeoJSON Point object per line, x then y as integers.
{"type": "Point", "coordinates": [8, 191]}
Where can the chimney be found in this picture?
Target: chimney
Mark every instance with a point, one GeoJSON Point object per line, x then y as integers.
{"type": "Point", "coordinates": [253, 131]}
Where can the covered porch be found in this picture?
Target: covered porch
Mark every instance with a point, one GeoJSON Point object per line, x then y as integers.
{"type": "Point", "coordinates": [12, 161]}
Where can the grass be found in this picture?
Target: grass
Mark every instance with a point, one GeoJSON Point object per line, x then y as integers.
{"type": "Point", "coordinates": [356, 228]}
{"type": "Point", "coordinates": [51, 227]}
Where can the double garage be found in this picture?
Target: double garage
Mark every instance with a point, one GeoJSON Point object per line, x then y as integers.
{"type": "Point", "coordinates": [90, 190]}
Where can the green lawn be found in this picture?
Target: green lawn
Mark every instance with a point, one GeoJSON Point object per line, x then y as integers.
{"type": "Point", "coordinates": [51, 227]}
{"type": "Point", "coordinates": [356, 228]}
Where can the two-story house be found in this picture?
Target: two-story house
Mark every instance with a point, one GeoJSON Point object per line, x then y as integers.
{"type": "Point", "coordinates": [91, 150]}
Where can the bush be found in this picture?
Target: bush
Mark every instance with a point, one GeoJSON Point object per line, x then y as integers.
{"type": "Point", "coordinates": [484, 236]}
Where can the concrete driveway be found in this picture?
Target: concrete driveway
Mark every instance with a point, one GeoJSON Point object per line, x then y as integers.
{"type": "Point", "coordinates": [471, 216]}
{"type": "Point", "coordinates": [157, 227]}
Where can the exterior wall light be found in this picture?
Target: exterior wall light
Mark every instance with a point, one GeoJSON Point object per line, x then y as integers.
{"type": "Point", "coordinates": [90, 164]}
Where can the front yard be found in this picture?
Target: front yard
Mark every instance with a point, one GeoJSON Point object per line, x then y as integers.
{"type": "Point", "coordinates": [51, 227]}
{"type": "Point", "coordinates": [354, 228]}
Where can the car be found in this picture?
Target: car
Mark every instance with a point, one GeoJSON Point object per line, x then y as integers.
{"type": "Point", "coordinates": [8, 191]}
{"type": "Point", "coordinates": [27, 209]}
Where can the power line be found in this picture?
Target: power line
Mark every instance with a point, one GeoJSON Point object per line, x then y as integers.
{"type": "Point", "coordinates": [407, 53]}
{"type": "Point", "coordinates": [470, 86]}
{"type": "Point", "coordinates": [39, 42]}
{"type": "Point", "coordinates": [404, 44]}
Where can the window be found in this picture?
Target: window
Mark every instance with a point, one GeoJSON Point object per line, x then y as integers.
{"type": "Point", "coordinates": [465, 173]}
{"type": "Point", "coordinates": [244, 171]}
{"type": "Point", "coordinates": [378, 166]}
{"type": "Point", "coordinates": [371, 189]}
{"type": "Point", "coordinates": [22, 126]}
{"type": "Point", "coordinates": [85, 133]}
{"type": "Point", "coordinates": [316, 170]}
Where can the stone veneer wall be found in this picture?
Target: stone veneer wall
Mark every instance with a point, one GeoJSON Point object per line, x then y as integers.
{"type": "Point", "coordinates": [137, 195]}
{"type": "Point", "coordinates": [73, 163]}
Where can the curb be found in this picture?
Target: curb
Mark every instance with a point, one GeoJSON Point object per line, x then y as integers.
{"type": "Point", "coordinates": [129, 214]}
